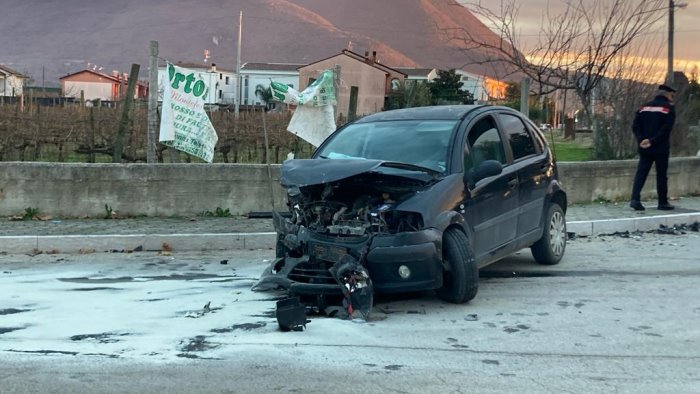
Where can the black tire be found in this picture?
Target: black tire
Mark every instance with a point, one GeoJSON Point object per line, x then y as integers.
{"type": "Point", "coordinates": [461, 280]}
{"type": "Point", "coordinates": [550, 248]}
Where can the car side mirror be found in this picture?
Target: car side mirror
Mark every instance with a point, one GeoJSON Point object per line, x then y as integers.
{"type": "Point", "coordinates": [484, 170]}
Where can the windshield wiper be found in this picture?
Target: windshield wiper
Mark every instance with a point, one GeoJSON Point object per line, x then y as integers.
{"type": "Point", "coordinates": [412, 167]}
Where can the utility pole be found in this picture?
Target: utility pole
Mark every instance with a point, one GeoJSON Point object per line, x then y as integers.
{"type": "Point", "coordinates": [336, 91]}
{"type": "Point", "coordinates": [238, 64]}
{"type": "Point", "coordinates": [672, 5]}
{"type": "Point", "coordinates": [524, 96]}
{"type": "Point", "coordinates": [152, 104]}
{"type": "Point", "coordinates": [669, 70]}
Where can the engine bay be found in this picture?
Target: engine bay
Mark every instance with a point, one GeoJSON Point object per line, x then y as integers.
{"type": "Point", "coordinates": [355, 207]}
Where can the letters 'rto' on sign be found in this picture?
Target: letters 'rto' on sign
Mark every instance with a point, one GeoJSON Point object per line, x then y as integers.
{"type": "Point", "coordinates": [184, 125]}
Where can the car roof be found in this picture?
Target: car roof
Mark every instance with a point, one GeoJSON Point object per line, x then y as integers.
{"type": "Point", "coordinates": [443, 112]}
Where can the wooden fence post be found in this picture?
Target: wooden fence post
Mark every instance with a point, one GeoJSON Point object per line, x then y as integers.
{"type": "Point", "coordinates": [152, 104]}
{"type": "Point", "coordinates": [124, 123]}
{"type": "Point", "coordinates": [352, 110]}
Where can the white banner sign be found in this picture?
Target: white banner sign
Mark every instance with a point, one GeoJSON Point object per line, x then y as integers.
{"type": "Point", "coordinates": [313, 120]}
{"type": "Point", "coordinates": [184, 125]}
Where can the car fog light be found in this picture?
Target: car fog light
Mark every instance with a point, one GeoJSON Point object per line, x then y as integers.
{"type": "Point", "coordinates": [404, 272]}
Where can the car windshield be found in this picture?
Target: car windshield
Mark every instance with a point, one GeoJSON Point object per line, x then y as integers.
{"type": "Point", "coordinates": [418, 142]}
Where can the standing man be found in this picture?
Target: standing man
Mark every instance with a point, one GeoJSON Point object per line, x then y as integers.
{"type": "Point", "coordinates": [652, 128]}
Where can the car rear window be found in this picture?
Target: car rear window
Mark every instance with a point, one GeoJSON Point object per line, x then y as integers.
{"type": "Point", "coordinates": [519, 137]}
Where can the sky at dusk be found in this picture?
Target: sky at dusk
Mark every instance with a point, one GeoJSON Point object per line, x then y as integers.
{"type": "Point", "coordinates": [687, 29]}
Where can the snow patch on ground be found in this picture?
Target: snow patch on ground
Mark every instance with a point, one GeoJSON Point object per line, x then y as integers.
{"type": "Point", "coordinates": [130, 305]}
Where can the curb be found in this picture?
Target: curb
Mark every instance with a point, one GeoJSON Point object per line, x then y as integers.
{"type": "Point", "coordinates": [266, 240]}
{"type": "Point", "coordinates": [597, 227]}
{"type": "Point", "coordinates": [145, 242]}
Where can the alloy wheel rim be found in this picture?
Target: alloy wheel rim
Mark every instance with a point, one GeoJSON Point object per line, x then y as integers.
{"type": "Point", "coordinates": [557, 234]}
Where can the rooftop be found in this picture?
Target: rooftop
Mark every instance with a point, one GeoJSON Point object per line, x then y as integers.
{"type": "Point", "coordinates": [414, 72]}
{"type": "Point", "coordinates": [272, 66]}
{"type": "Point", "coordinates": [7, 70]}
{"type": "Point", "coordinates": [201, 66]}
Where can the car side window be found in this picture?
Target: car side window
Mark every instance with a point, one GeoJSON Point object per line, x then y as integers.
{"type": "Point", "coordinates": [484, 143]}
{"type": "Point", "coordinates": [539, 139]}
{"type": "Point", "coordinates": [519, 138]}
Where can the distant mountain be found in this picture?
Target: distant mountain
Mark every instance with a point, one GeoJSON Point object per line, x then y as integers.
{"type": "Point", "coordinates": [62, 37]}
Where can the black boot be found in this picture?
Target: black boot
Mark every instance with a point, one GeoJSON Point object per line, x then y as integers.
{"type": "Point", "coordinates": [637, 205]}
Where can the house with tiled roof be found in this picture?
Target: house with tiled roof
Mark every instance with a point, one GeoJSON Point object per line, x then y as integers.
{"type": "Point", "coordinates": [94, 85]}
{"type": "Point", "coordinates": [372, 80]}
{"type": "Point", "coordinates": [11, 82]}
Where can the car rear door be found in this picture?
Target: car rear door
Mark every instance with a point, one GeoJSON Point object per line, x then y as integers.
{"type": "Point", "coordinates": [491, 205]}
{"type": "Point", "coordinates": [530, 160]}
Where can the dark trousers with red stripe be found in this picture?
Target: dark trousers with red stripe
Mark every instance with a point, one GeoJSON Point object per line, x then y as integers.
{"type": "Point", "coordinates": [645, 162]}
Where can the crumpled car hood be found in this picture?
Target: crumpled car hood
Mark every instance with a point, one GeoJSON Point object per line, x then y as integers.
{"type": "Point", "coordinates": [304, 172]}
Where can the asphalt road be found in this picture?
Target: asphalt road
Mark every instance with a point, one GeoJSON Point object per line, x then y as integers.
{"type": "Point", "coordinates": [616, 315]}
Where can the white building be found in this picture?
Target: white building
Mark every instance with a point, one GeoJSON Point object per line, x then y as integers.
{"type": "Point", "coordinates": [482, 88]}
{"type": "Point", "coordinates": [254, 74]}
{"type": "Point", "coordinates": [418, 74]}
{"type": "Point", "coordinates": [222, 82]}
{"type": "Point", "coordinates": [11, 82]}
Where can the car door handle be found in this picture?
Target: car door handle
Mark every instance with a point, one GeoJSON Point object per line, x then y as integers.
{"type": "Point", "coordinates": [513, 183]}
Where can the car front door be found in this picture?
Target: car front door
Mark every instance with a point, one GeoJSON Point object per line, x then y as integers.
{"type": "Point", "coordinates": [491, 204]}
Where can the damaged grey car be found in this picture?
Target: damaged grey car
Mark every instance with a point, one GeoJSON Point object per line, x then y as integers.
{"type": "Point", "coordinates": [417, 199]}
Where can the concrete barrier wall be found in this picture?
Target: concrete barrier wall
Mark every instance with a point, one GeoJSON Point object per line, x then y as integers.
{"type": "Point", "coordinates": [77, 190]}
{"type": "Point", "coordinates": [612, 180]}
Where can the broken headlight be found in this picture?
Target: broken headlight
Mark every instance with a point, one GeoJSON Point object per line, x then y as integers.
{"type": "Point", "coordinates": [397, 221]}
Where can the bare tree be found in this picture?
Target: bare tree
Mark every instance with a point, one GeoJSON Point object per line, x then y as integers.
{"type": "Point", "coordinates": [620, 96]}
{"type": "Point", "coordinates": [575, 46]}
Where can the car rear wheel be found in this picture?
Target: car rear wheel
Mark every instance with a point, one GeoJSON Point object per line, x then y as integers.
{"type": "Point", "coordinates": [461, 279]}
{"type": "Point", "coordinates": [550, 248]}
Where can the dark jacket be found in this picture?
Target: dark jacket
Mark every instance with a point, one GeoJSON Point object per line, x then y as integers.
{"type": "Point", "coordinates": [654, 121]}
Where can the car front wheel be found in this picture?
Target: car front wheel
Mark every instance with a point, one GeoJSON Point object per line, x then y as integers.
{"type": "Point", "coordinates": [550, 248]}
{"type": "Point", "coordinates": [461, 280]}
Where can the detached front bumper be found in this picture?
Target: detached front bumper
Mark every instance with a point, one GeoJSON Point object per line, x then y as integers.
{"type": "Point", "coordinates": [418, 255]}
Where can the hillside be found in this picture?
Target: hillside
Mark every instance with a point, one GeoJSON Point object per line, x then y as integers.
{"type": "Point", "coordinates": [63, 36]}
